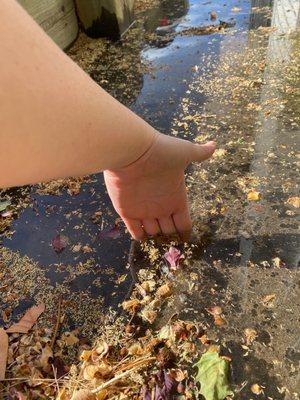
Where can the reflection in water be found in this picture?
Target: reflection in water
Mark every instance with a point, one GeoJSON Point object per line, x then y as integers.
{"type": "Point", "coordinates": [166, 14]}
{"type": "Point", "coordinates": [260, 15]}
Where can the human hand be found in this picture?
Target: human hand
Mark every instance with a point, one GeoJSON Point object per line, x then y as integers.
{"type": "Point", "coordinates": [150, 194]}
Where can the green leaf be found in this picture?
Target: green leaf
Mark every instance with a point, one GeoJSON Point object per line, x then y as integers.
{"type": "Point", "coordinates": [212, 375]}
{"type": "Point", "coordinates": [4, 205]}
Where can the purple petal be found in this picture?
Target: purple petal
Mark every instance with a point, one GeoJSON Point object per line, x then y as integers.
{"type": "Point", "coordinates": [169, 382]}
{"type": "Point", "coordinates": [146, 393]}
{"type": "Point", "coordinates": [165, 387]}
{"type": "Point", "coordinates": [173, 256]}
{"type": "Point", "coordinates": [112, 233]}
{"type": "Point", "coordinates": [59, 243]}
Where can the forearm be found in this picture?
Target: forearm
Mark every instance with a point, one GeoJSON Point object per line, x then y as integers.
{"type": "Point", "coordinates": [55, 121]}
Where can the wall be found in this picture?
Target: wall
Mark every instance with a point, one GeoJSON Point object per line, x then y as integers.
{"type": "Point", "coordinates": [56, 17]}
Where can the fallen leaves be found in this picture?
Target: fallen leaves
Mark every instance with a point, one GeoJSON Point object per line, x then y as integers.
{"type": "Point", "coordinates": [164, 291]}
{"type": "Point", "coordinates": [3, 352]}
{"type": "Point", "coordinates": [23, 326]}
{"type": "Point", "coordinates": [294, 201]}
{"type": "Point", "coordinates": [213, 372]}
{"type": "Point", "coordinates": [256, 389]}
{"type": "Point", "coordinates": [219, 153]}
{"type": "Point", "coordinates": [253, 195]}
{"type": "Point", "coordinates": [28, 320]}
{"type": "Point", "coordinates": [4, 205]}
{"type": "Point", "coordinates": [112, 233]}
{"type": "Point", "coordinates": [59, 243]}
{"type": "Point", "coordinates": [269, 300]}
{"type": "Point", "coordinates": [131, 306]}
{"type": "Point", "coordinates": [216, 312]}
{"type": "Point", "coordinates": [250, 335]}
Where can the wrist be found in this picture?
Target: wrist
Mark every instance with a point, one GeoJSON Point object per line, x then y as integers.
{"type": "Point", "coordinates": [142, 142]}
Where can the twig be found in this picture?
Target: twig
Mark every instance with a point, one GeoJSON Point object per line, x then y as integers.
{"type": "Point", "coordinates": [135, 363]}
{"type": "Point", "coordinates": [121, 376]}
{"type": "Point", "coordinates": [56, 328]}
{"type": "Point", "coordinates": [55, 377]}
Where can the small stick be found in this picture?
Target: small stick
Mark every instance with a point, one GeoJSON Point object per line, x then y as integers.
{"type": "Point", "coordinates": [118, 377]}
{"type": "Point", "coordinates": [55, 330]}
{"type": "Point", "coordinates": [55, 377]}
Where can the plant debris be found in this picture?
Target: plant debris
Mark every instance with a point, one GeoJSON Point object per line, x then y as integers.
{"type": "Point", "coordinates": [59, 243]}
{"type": "Point", "coordinates": [213, 376]}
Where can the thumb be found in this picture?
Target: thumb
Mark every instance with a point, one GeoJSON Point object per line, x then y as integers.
{"type": "Point", "coordinates": [201, 152]}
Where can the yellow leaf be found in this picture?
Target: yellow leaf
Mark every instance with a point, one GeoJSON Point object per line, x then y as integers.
{"type": "Point", "coordinates": [256, 389]}
{"type": "Point", "coordinates": [294, 201]}
{"type": "Point", "coordinates": [253, 195]}
{"type": "Point", "coordinates": [85, 355]}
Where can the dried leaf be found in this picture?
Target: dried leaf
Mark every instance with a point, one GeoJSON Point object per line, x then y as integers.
{"type": "Point", "coordinates": [219, 153]}
{"type": "Point", "coordinates": [112, 233]}
{"type": "Point", "coordinates": [59, 243]}
{"type": "Point", "coordinates": [131, 306]}
{"type": "Point", "coordinates": [216, 310]}
{"type": "Point", "coordinates": [253, 195]}
{"type": "Point", "coordinates": [268, 301]}
{"type": "Point", "coordinates": [177, 374]}
{"type": "Point", "coordinates": [164, 291]}
{"type": "Point", "coordinates": [219, 321]}
{"type": "Point", "coordinates": [294, 201]}
{"type": "Point", "coordinates": [250, 335]}
{"type": "Point", "coordinates": [83, 394]}
{"type": "Point", "coordinates": [167, 333]}
{"type": "Point", "coordinates": [174, 256]}
{"type": "Point", "coordinates": [3, 352]}
{"type": "Point", "coordinates": [46, 356]}
{"type": "Point", "coordinates": [28, 320]}
{"type": "Point", "coordinates": [85, 355]}
{"type": "Point", "coordinates": [69, 339]}
{"type": "Point", "coordinates": [102, 395]}
{"type": "Point", "coordinates": [102, 349]}
{"type": "Point", "coordinates": [256, 389]}
{"type": "Point", "coordinates": [149, 316]}
{"type": "Point", "coordinates": [149, 285]}
{"type": "Point", "coordinates": [212, 375]}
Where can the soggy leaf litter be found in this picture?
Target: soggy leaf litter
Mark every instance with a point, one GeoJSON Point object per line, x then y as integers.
{"type": "Point", "coordinates": [174, 315]}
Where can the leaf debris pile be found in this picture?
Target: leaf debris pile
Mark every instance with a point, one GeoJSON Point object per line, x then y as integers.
{"type": "Point", "coordinates": [133, 358]}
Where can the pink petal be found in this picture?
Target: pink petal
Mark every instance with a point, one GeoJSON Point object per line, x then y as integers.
{"type": "Point", "coordinates": [112, 233]}
{"type": "Point", "coordinates": [173, 256]}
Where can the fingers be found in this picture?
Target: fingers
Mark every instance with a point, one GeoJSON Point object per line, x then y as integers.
{"type": "Point", "coordinates": [180, 222]}
{"type": "Point", "coordinates": [135, 229]}
{"type": "Point", "coordinates": [201, 152]}
{"type": "Point", "coordinates": [167, 225]}
{"type": "Point", "coordinates": [183, 224]}
{"type": "Point", "coordinates": [151, 227]}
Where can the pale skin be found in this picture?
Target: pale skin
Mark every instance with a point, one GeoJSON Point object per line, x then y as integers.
{"type": "Point", "coordinates": [56, 122]}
